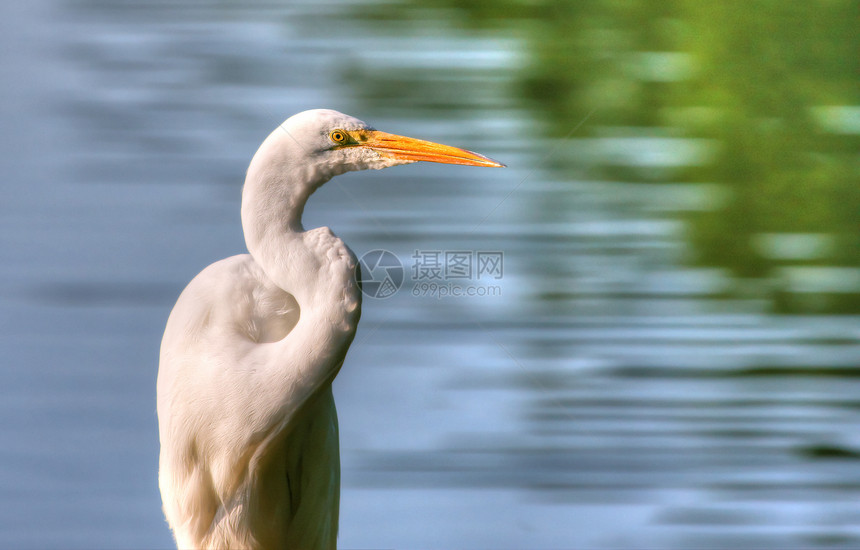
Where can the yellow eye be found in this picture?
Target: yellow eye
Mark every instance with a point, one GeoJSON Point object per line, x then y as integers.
{"type": "Point", "coordinates": [339, 136]}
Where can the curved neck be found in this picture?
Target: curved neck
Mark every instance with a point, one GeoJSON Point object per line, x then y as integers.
{"type": "Point", "coordinates": [314, 266]}
{"type": "Point", "coordinates": [277, 186]}
{"type": "Point", "coordinates": [280, 179]}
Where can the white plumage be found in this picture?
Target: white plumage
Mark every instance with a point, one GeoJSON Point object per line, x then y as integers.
{"type": "Point", "coordinates": [248, 428]}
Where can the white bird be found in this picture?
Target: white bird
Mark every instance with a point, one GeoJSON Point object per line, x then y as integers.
{"type": "Point", "coordinates": [247, 422]}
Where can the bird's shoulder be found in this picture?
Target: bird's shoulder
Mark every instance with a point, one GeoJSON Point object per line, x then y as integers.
{"type": "Point", "coordinates": [234, 297]}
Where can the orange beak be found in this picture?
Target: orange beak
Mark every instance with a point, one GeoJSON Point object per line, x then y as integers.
{"type": "Point", "coordinates": [406, 148]}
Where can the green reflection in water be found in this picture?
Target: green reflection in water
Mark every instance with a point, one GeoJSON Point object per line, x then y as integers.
{"type": "Point", "coordinates": [759, 98]}
{"type": "Point", "coordinates": [766, 81]}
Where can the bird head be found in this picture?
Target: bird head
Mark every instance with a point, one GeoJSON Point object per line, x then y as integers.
{"type": "Point", "coordinates": [335, 143]}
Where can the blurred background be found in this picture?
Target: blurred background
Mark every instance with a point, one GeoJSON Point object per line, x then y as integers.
{"type": "Point", "coordinates": [673, 360]}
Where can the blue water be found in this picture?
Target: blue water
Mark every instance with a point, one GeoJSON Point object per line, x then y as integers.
{"type": "Point", "coordinates": [611, 394]}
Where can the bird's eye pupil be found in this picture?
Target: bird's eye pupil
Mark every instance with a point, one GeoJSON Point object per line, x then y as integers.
{"type": "Point", "coordinates": [338, 136]}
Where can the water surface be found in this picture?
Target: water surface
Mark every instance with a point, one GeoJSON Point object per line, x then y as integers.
{"type": "Point", "coordinates": [670, 359]}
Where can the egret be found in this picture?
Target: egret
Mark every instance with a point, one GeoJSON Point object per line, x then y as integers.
{"type": "Point", "coordinates": [247, 422]}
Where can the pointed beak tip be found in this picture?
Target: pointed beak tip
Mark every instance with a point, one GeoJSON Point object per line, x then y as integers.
{"type": "Point", "coordinates": [493, 163]}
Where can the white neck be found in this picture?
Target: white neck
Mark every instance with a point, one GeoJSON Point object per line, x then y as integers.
{"type": "Point", "coordinates": [276, 190]}
{"type": "Point", "coordinates": [280, 179]}
{"type": "Point", "coordinates": [314, 266]}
